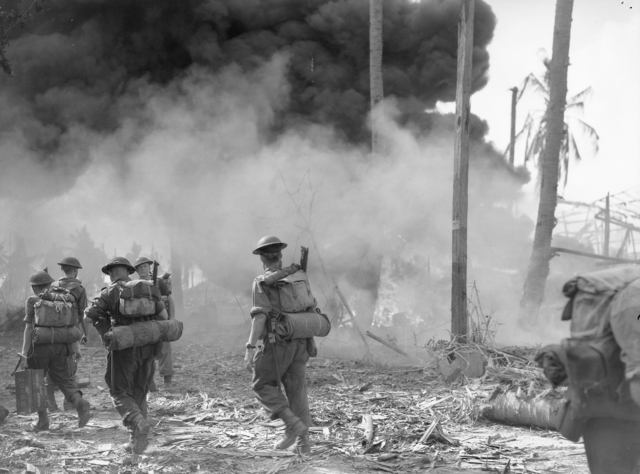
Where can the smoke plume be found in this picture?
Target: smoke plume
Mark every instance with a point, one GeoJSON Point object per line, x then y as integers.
{"type": "Point", "coordinates": [216, 122]}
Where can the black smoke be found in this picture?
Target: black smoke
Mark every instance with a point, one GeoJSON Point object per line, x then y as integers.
{"type": "Point", "coordinates": [80, 68]}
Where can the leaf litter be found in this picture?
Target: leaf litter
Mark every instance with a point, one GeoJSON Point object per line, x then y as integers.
{"type": "Point", "coordinates": [209, 421]}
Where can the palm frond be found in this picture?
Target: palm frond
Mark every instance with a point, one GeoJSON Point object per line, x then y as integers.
{"type": "Point", "coordinates": [574, 150]}
{"type": "Point", "coordinates": [590, 133]}
{"type": "Point", "coordinates": [581, 96]}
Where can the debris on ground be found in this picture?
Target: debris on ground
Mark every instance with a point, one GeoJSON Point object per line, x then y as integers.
{"type": "Point", "coordinates": [209, 420]}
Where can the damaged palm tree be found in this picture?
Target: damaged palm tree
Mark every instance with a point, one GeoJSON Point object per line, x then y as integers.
{"type": "Point", "coordinates": [541, 253]}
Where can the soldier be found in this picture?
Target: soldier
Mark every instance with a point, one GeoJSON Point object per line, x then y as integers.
{"type": "Point", "coordinates": [165, 363]}
{"type": "Point", "coordinates": [70, 267]}
{"type": "Point", "coordinates": [612, 443]}
{"type": "Point", "coordinates": [53, 358]}
{"type": "Point", "coordinates": [129, 371]}
{"type": "Point", "coordinates": [278, 361]}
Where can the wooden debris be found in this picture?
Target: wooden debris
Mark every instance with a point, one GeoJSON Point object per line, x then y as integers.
{"type": "Point", "coordinates": [389, 345]}
{"type": "Point", "coordinates": [353, 318]}
{"type": "Point", "coordinates": [430, 430]}
{"type": "Point", "coordinates": [367, 440]}
{"type": "Point", "coordinates": [212, 422]}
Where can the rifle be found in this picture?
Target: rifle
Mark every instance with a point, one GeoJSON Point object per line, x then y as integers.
{"type": "Point", "coordinates": [155, 273]}
{"type": "Point", "coordinates": [304, 258]}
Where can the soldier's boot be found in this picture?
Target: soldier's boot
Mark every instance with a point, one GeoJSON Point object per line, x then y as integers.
{"type": "Point", "coordinates": [303, 446]}
{"type": "Point", "coordinates": [83, 407]}
{"type": "Point", "coordinates": [168, 382]}
{"type": "Point", "coordinates": [51, 397]}
{"type": "Point", "coordinates": [294, 427]}
{"type": "Point", "coordinates": [4, 413]}
{"type": "Point", "coordinates": [152, 386]}
{"type": "Point", "coordinates": [43, 421]}
{"type": "Point", "coordinates": [141, 428]}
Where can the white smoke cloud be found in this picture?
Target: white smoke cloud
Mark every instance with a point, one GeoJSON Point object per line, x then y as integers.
{"type": "Point", "coordinates": [196, 160]}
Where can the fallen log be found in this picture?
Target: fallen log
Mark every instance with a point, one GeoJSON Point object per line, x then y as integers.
{"type": "Point", "coordinates": [508, 408]}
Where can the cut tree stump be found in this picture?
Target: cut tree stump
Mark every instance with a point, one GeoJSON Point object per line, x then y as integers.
{"type": "Point", "coordinates": [508, 408]}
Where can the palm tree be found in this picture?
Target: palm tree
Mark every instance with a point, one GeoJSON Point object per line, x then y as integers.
{"type": "Point", "coordinates": [535, 126]}
{"type": "Point", "coordinates": [551, 147]}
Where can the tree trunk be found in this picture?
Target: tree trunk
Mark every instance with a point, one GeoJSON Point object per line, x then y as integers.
{"type": "Point", "coordinates": [512, 142]}
{"type": "Point", "coordinates": [375, 71]}
{"type": "Point", "coordinates": [176, 277]}
{"type": "Point", "coordinates": [541, 253]}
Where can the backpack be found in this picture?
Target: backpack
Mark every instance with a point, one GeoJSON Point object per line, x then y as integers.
{"type": "Point", "coordinates": [56, 307]}
{"type": "Point", "coordinates": [597, 385]}
{"type": "Point", "coordinates": [295, 293]}
{"type": "Point", "coordinates": [137, 298]}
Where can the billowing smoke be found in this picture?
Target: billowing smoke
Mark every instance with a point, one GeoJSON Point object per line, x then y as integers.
{"type": "Point", "coordinates": [216, 122]}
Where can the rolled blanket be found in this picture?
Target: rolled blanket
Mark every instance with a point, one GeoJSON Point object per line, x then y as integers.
{"type": "Point", "coordinates": [142, 333]}
{"type": "Point", "coordinates": [302, 325]}
{"type": "Point", "coordinates": [66, 335]}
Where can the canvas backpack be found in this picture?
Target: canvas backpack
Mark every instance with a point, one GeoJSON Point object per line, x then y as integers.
{"type": "Point", "coordinates": [294, 292]}
{"type": "Point", "coordinates": [137, 298]}
{"type": "Point", "coordinates": [597, 386]}
{"type": "Point", "coordinates": [55, 308]}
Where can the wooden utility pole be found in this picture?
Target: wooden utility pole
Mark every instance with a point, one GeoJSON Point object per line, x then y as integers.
{"type": "Point", "coordinates": [512, 144]}
{"type": "Point", "coordinates": [375, 73]}
{"type": "Point", "coordinates": [459, 314]}
{"type": "Point", "coordinates": [607, 227]}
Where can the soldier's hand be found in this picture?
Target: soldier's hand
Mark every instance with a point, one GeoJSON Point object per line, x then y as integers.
{"type": "Point", "coordinates": [248, 359]}
{"type": "Point", "coordinates": [83, 340]}
{"type": "Point", "coordinates": [23, 362]}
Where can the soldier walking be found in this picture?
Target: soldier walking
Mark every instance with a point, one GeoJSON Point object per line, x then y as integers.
{"type": "Point", "coordinates": [277, 361]}
{"type": "Point", "coordinates": [70, 267]}
{"type": "Point", "coordinates": [53, 358]}
{"type": "Point", "coordinates": [165, 362]}
{"type": "Point", "coordinates": [129, 371]}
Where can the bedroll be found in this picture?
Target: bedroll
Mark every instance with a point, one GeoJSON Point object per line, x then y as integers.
{"type": "Point", "coordinates": [302, 325]}
{"type": "Point", "coordinates": [142, 333]}
{"type": "Point", "coordinates": [53, 335]}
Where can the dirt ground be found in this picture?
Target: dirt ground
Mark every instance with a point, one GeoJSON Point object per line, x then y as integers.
{"type": "Point", "coordinates": [209, 421]}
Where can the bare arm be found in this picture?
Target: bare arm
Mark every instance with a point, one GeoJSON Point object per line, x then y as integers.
{"type": "Point", "coordinates": [171, 308]}
{"type": "Point", "coordinates": [26, 344]}
{"type": "Point", "coordinates": [257, 327]}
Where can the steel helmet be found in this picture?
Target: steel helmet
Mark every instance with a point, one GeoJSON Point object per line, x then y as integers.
{"type": "Point", "coordinates": [40, 278]}
{"type": "Point", "coordinates": [70, 262]}
{"type": "Point", "coordinates": [267, 241]}
{"type": "Point", "coordinates": [118, 261]}
{"type": "Point", "coordinates": [141, 260]}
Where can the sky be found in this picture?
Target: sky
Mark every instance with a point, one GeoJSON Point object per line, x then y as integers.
{"type": "Point", "coordinates": [604, 55]}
